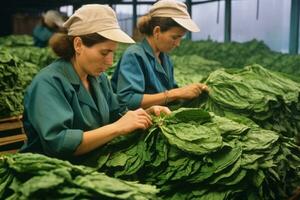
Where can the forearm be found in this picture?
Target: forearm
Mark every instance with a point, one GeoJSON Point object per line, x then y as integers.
{"type": "Point", "coordinates": [158, 99]}
{"type": "Point", "coordinates": [152, 99]}
{"type": "Point", "coordinates": [96, 138]}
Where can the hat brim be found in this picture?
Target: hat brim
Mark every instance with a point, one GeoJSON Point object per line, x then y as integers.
{"type": "Point", "coordinates": [116, 35]}
{"type": "Point", "coordinates": [186, 23]}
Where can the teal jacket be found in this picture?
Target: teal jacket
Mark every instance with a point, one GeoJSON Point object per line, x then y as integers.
{"type": "Point", "coordinates": [41, 35]}
{"type": "Point", "coordinates": [138, 72]}
{"type": "Point", "coordinates": [58, 109]}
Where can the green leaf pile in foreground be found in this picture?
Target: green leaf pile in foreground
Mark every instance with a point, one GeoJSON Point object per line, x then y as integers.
{"type": "Point", "coordinates": [34, 176]}
{"type": "Point", "coordinates": [192, 154]}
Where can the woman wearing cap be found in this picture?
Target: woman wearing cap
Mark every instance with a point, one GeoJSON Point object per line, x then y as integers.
{"type": "Point", "coordinates": [69, 108]}
{"type": "Point", "coordinates": [51, 23]}
{"type": "Point", "coordinates": [144, 75]}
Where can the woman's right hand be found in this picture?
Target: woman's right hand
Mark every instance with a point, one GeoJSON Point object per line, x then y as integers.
{"type": "Point", "coordinates": [190, 91]}
{"type": "Point", "coordinates": [133, 120]}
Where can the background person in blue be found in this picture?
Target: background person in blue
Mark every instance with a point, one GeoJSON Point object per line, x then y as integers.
{"type": "Point", "coordinates": [144, 75]}
{"type": "Point", "coordinates": [51, 23]}
{"type": "Point", "coordinates": [70, 108]}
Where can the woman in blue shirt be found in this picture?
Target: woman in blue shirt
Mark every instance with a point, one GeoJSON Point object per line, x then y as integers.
{"type": "Point", "coordinates": [70, 108]}
{"type": "Point", "coordinates": [144, 76]}
{"type": "Point", "coordinates": [51, 23]}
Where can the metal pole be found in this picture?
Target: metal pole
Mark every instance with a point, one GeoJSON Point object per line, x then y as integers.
{"type": "Point", "coordinates": [189, 8]}
{"type": "Point", "coordinates": [294, 27]}
{"type": "Point", "coordinates": [227, 30]}
{"type": "Point", "coordinates": [134, 16]}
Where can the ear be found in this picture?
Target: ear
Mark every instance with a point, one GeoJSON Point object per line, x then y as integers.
{"type": "Point", "coordinates": [156, 31]}
{"type": "Point", "coordinates": [77, 42]}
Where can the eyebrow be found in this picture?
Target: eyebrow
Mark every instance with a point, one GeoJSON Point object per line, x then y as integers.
{"type": "Point", "coordinates": [179, 35]}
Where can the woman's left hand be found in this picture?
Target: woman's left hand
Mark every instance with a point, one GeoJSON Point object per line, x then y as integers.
{"type": "Point", "coordinates": [157, 110]}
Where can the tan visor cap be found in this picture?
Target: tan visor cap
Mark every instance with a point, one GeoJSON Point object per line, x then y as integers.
{"type": "Point", "coordinates": [177, 11]}
{"type": "Point", "coordinates": [52, 18]}
{"type": "Point", "coordinates": [96, 18]}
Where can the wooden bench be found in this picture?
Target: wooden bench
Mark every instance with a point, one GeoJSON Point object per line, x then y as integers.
{"type": "Point", "coordinates": [12, 134]}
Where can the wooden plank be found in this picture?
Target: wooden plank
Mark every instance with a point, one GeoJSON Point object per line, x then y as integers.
{"type": "Point", "coordinates": [19, 117]}
{"type": "Point", "coordinates": [12, 139]}
{"type": "Point", "coordinates": [11, 134]}
{"type": "Point", "coordinates": [10, 125]}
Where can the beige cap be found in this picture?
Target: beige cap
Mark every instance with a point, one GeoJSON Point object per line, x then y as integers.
{"type": "Point", "coordinates": [52, 18]}
{"type": "Point", "coordinates": [177, 11]}
{"type": "Point", "coordinates": [96, 18]}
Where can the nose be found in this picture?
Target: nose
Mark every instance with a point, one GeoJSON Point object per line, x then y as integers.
{"type": "Point", "coordinates": [109, 59]}
{"type": "Point", "coordinates": [177, 42]}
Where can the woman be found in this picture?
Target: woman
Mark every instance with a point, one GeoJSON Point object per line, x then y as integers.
{"type": "Point", "coordinates": [51, 23]}
{"type": "Point", "coordinates": [144, 75]}
{"type": "Point", "coordinates": [70, 108]}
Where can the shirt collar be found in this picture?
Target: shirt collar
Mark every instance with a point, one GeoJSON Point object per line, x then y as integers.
{"type": "Point", "coordinates": [72, 75]}
{"type": "Point", "coordinates": [148, 49]}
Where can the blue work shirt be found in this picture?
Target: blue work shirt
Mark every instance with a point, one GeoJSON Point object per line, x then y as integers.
{"type": "Point", "coordinates": [138, 72]}
{"type": "Point", "coordinates": [58, 109]}
{"type": "Point", "coordinates": [41, 35]}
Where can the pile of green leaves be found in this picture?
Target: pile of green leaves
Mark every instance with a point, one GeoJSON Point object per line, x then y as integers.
{"type": "Point", "coordinates": [193, 154]}
{"type": "Point", "coordinates": [41, 57]}
{"type": "Point", "coordinates": [192, 68]}
{"type": "Point", "coordinates": [16, 40]}
{"type": "Point", "coordinates": [268, 98]}
{"type": "Point", "coordinates": [237, 55]}
{"type": "Point", "coordinates": [233, 54]}
{"type": "Point", "coordinates": [19, 62]}
{"type": "Point", "coordinates": [34, 176]}
{"type": "Point", "coordinates": [13, 78]}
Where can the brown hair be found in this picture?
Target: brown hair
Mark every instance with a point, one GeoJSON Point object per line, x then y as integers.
{"type": "Point", "coordinates": [62, 44]}
{"type": "Point", "coordinates": [146, 24]}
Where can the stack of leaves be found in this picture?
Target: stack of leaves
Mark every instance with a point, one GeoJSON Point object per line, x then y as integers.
{"type": "Point", "coordinates": [237, 55]}
{"type": "Point", "coordinates": [230, 54]}
{"type": "Point", "coordinates": [192, 68]}
{"type": "Point", "coordinates": [41, 57]}
{"type": "Point", "coordinates": [34, 176]}
{"type": "Point", "coordinates": [268, 98]}
{"type": "Point", "coordinates": [18, 65]}
{"type": "Point", "coordinates": [16, 40]}
{"type": "Point", "coordinates": [11, 84]}
{"type": "Point", "coordinates": [193, 154]}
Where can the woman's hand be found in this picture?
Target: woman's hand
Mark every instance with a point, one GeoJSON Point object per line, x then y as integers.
{"type": "Point", "coordinates": [157, 110]}
{"type": "Point", "coordinates": [132, 120]}
{"type": "Point", "coordinates": [189, 92]}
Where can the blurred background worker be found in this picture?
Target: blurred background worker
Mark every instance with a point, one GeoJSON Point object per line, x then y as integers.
{"type": "Point", "coordinates": [52, 21]}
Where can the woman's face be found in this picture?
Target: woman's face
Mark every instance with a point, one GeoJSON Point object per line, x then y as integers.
{"type": "Point", "coordinates": [170, 39]}
{"type": "Point", "coordinates": [96, 59]}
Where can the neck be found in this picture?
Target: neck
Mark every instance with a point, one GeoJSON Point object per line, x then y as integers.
{"type": "Point", "coordinates": [80, 72]}
{"type": "Point", "coordinates": [153, 46]}
{"type": "Point", "coordinates": [82, 75]}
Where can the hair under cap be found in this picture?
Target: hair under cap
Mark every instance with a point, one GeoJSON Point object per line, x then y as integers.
{"type": "Point", "coordinates": [175, 10]}
{"type": "Point", "coordinates": [96, 18]}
